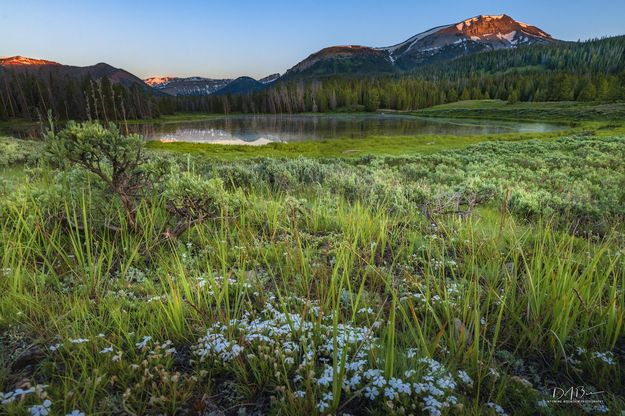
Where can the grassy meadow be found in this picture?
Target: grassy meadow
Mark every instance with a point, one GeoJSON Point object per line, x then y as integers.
{"type": "Point", "coordinates": [571, 111]}
{"type": "Point", "coordinates": [408, 276]}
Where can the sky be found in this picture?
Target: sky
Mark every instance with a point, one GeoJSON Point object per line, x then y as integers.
{"type": "Point", "coordinates": [231, 38]}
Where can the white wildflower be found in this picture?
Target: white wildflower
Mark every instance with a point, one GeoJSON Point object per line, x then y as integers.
{"type": "Point", "coordinates": [411, 352]}
{"type": "Point", "coordinates": [389, 393]}
{"type": "Point", "coordinates": [371, 393]}
{"type": "Point", "coordinates": [41, 409]}
{"type": "Point", "coordinates": [498, 409]}
{"type": "Point", "coordinates": [465, 378]}
{"type": "Point", "coordinates": [607, 357]}
{"type": "Point", "coordinates": [143, 343]}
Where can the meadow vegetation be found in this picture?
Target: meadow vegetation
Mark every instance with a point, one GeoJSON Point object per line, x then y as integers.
{"type": "Point", "coordinates": [460, 281]}
{"type": "Point", "coordinates": [571, 111]}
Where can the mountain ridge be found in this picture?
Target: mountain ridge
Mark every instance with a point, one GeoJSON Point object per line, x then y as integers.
{"type": "Point", "coordinates": [43, 67]}
{"type": "Point", "coordinates": [200, 86]}
{"type": "Point", "coordinates": [186, 86]}
{"type": "Point", "coordinates": [447, 42]}
{"type": "Point", "coordinates": [442, 43]}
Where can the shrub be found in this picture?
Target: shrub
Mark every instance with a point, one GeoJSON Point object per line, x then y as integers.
{"type": "Point", "coordinates": [13, 151]}
{"type": "Point", "coordinates": [115, 167]}
{"type": "Point", "coordinates": [190, 200]}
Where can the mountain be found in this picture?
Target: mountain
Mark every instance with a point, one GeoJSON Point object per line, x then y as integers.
{"type": "Point", "coordinates": [478, 34]}
{"type": "Point", "coordinates": [352, 59]}
{"type": "Point", "coordinates": [198, 86]}
{"type": "Point", "coordinates": [191, 86]}
{"type": "Point", "coordinates": [45, 68]}
{"type": "Point", "coordinates": [241, 85]}
{"type": "Point", "coordinates": [448, 42]}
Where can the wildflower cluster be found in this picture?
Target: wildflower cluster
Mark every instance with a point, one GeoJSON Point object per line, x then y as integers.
{"type": "Point", "coordinates": [21, 393]}
{"type": "Point", "coordinates": [606, 357]}
{"type": "Point", "coordinates": [311, 357]}
{"type": "Point", "coordinates": [449, 294]}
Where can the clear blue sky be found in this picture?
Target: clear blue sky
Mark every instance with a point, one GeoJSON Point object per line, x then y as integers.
{"type": "Point", "coordinates": [230, 38]}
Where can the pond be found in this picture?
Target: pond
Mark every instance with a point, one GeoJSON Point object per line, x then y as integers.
{"type": "Point", "coordinates": [263, 129]}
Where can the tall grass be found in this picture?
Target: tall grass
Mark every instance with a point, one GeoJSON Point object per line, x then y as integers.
{"type": "Point", "coordinates": [520, 306]}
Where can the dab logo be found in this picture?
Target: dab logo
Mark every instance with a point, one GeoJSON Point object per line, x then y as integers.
{"type": "Point", "coordinates": [575, 395]}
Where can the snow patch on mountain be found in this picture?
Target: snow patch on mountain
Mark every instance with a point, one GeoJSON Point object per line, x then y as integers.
{"type": "Point", "coordinates": [413, 40]}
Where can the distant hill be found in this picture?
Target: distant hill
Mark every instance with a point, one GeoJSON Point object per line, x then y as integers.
{"type": "Point", "coordinates": [42, 67]}
{"type": "Point", "coordinates": [335, 60]}
{"type": "Point", "coordinates": [17, 61]}
{"type": "Point", "coordinates": [241, 85]}
{"type": "Point", "coordinates": [30, 87]}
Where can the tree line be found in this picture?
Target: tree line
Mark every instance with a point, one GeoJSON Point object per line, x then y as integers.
{"type": "Point", "coordinates": [411, 93]}
{"type": "Point", "coordinates": [30, 96]}
{"type": "Point", "coordinates": [566, 71]}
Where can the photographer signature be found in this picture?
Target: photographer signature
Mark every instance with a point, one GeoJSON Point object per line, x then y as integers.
{"type": "Point", "coordinates": [575, 395]}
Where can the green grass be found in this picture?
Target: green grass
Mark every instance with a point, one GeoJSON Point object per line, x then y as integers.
{"type": "Point", "coordinates": [379, 146]}
{"type": "Point", "coordinates": [342, 147]}
{"type": "Point", "coordinates": [497, 259]}
{"type": "Point", "coordinates": [176, 118]}
{"type": "Point", "coordinates": [579, 119]}
{"type": "Point", "coordinates": [18, 122]}
{"type": "Point", "coordinates": [487, 259]}
{"type": "Point", "coordinates": [550, 111]}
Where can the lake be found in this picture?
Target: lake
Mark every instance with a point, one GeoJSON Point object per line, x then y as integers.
{"type": "Point", "coordinates": [263, 129]}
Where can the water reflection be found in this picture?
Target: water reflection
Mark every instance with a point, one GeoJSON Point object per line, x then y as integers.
{"type": "Point", "coordinates": [263, 129]}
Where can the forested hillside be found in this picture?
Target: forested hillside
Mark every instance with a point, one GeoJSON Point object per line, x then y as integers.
{"type": "Point", "coordinates": [30, 95]}
{"type": "Point", "coordinates": [582, 71]}
{"type": "Point", "coordinates": [573, 71]}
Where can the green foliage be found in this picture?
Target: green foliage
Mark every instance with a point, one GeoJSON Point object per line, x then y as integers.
{"type": "Point", "coordinates": [14, 152]}
{"type": "Point", "coordinates": [533, 178]}
{"type": "Point", "coordinates": [566, 112]}
{"type": "Point", "coordinates": [191, 196]}
{"type": "Point", "coordinates": [123, 173]}
{"type": "Point", "coordinates": [478, 277]}
{"type": "Point", "coordinates": [105, 151]}
{"type": "Point", "coordinates": [115, 159]}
